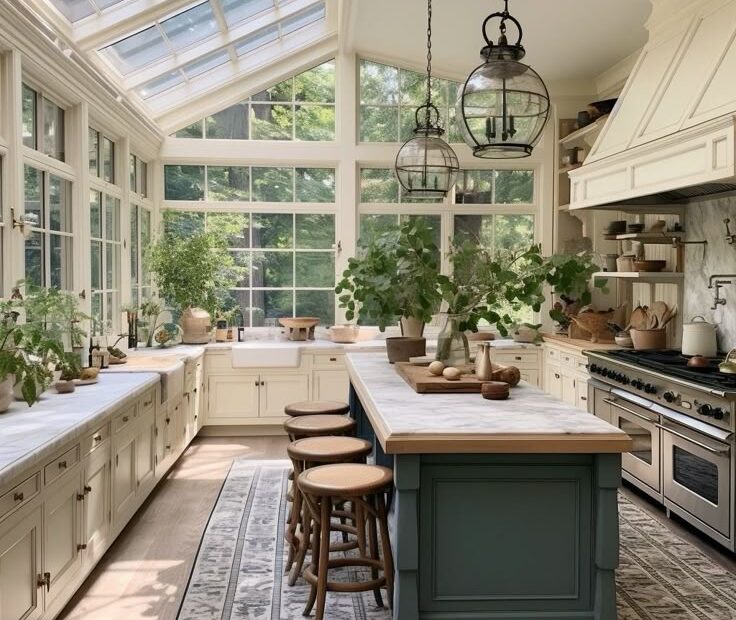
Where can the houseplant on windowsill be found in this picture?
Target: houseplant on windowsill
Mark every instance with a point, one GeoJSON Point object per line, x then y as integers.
{"type": "Point", "coordinates": [394, 277]}
{"type": "Point", "coordinates": [193, 274]}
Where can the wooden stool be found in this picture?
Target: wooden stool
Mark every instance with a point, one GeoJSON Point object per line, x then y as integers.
{"type": "Point", "coordinates": [316, 407]}
{"type": "Point", "coordinates": [364, 485]}
{"type": "Point", "coordinates": [319, 425]}
{"type": "Point", "coordinates": [306, 453]}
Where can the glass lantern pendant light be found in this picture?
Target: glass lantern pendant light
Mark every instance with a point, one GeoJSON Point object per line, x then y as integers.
{"type": "Point", "coordinates": [426, 166]}
{"type": "Point", "coordinates": [504, 104]}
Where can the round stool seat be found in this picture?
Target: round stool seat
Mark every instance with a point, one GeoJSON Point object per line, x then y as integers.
{"type": "Point", "coordinates": [328, 449]}
{"type": "Point", "coordinates": [316, 407]}
{"type": "Point", "coordinates": [345, 480]}
{"type": "Point", "coordinates": [316, 425]}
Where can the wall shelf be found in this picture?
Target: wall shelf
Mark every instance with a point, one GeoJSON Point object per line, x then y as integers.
{"type": "Point", "coordinates": [663, 238]}
{"type": "Point", "coordinates": [641, 276]}
{"type": "Point", "coordinates": [585, 136]}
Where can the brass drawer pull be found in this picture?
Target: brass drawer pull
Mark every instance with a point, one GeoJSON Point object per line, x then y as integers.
{"type": "Point", "coordinates": [518, 358]}
{"type": "Point", "coordinates": [80, 497]}
{"type": "Point", "coordinates": [168, 420]}
{"type": "Point", "coordinates": [125, 418]}
{"type": "Point", "coordinates": [333, 359]}
{"type": "Point", "coordinates": [97, 438]}
{"type": "Point", "coordinates": [81, 547]}
{"type": "Point", "coordinates": [44, 580]}
{"type": "Point", "coordinates": [87, 489]}
{"type": "Point", "coordinates": [18, 496]}
{"type": "Point", "coordinates": [557, 375]}
{"type": "Point", "coordinates": [62, 464]}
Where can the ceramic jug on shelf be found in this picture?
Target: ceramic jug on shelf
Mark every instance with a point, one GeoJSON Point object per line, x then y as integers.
{"type": "Point", "coordinates": [483, 365]}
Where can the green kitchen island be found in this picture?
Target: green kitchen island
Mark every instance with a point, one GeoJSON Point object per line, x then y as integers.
{"type": "Point", "coordinates": [502, 510]}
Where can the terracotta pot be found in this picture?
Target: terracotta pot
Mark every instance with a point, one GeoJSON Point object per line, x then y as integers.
{"type": "Point", "coordinates": [196, 325]}
{"type": "Point", "coordinates": [401, 348]}
{"type": "Point", "coordinates": [411, 327]}
{"type": "Point", "coordinates": [6, 393]}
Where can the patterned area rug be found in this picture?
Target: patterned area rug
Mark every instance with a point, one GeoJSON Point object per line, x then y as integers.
{"type": "Point", "coordinates": [238, 574]}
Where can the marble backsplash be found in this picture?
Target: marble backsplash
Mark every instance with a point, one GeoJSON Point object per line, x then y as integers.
{"type": "Point", "coordinates": [704, 220]}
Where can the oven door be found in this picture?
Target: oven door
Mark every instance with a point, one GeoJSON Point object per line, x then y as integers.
{"type": "Point", "coordinates": [642, 462]}
{"type": "Point", "coordinates": [697, 475]}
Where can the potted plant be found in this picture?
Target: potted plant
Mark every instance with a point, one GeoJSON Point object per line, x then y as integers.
{"type": "Point", "coordinates": [29, 355]}
{"type": "Point", "coordinates": [149, 313]}
{"type": "Point", "coordinates": [192, 274]}
{"type": "Point", "coordinates": [394, 277]}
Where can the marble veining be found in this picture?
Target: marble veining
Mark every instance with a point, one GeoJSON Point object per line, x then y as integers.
{"type": "Point", "coordinates": [29, 435]}
{"type": "Point", "coordinates": [704, 220]}
{"type": "Point", "coordinates": [403, 412]}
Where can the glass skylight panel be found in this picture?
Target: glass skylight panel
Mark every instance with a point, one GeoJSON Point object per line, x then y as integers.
{"type": "Point", "coordinates": [74, 10]}
{"type": "Point", "coordinates": [138, 50]}
{"type": "Point", "coordinates": [160, 84]}
{"type": "Point", "coordinates": [257, 39]}
{"type": "Point", "coordinates": [199, 66]}
{"type": "Point", "coordinates": [239, 10]}
{"type": "Point", "coordinates": [191, 26]}
{"type": "Point", "coordinates": [300, 20]}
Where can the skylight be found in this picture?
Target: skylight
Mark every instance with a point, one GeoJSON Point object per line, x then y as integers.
{"type": "Point", "coordinates": [74, 10]}
{"type": "Point", "coordinates": [137, 56]}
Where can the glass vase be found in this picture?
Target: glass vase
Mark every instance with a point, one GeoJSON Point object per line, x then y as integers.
{"type": "Point", "coordinates": [452, 344]}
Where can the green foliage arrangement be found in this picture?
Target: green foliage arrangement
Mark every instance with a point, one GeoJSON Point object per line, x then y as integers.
{"type": "Point", "coordinates": [394, 275]}
{"type": "Point", "coordinates": [194, 271]}
{"type": "Point", "coordinates": [32, 334]}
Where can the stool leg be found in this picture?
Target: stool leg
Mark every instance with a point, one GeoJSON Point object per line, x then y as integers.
{"type": "Point", "coordinates": [360, 527]}
{"type": "Point", "coordinates": [373, 543]}
{"type": "Point", "coordinates": [294, 519]}
{"type": "Point", "coordinates": [324, 556]}
{"type": "Point", "coordinates": [314, 529]}
{"type": "Point", "coordinates": [388, 560]}
{"type": "Point", "coordinates": [303, 545]}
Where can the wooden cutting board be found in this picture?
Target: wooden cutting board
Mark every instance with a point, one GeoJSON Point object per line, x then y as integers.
{"type": "Point", "coordinates": [422, 382]}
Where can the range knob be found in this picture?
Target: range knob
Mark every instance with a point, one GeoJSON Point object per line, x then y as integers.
{"type": "Point", "coordinates": [637, 384]}
{"type": "Point", "coordinates": [650, 389]}
{"type": "Point", "coordinates": [670, 397]}
{"type": "Point", "coordinates": [718, 414]}
{"type": "Point", "coordinates": [593, 368]}
{"type": "Point", "coordinates": [610, 374]}
{"type": "Point", "coordinates": [706, 410]}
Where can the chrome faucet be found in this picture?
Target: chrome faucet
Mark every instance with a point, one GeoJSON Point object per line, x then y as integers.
{"type": "Point", "coordinates": [717, 282]}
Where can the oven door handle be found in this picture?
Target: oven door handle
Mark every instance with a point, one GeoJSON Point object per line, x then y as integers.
{"type": "Point", "coordinates": [722, 451]}
{"type": "Point", "coordinates": [614, 403]}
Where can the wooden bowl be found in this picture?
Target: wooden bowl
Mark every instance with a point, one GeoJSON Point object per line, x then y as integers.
{"type": "Point", "coordinates": [299, 322]}
{"type": "Point", "coordinates": [495, 390]}
{"type": "Point", "coordinates": [649, 265]}
{"type": "Point", "coordinates": [648, 339]}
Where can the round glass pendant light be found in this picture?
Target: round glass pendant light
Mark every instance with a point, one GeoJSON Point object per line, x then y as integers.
{"type": "Point", "coordinates": [426, 165]}
{"type": "Point", "coordinates": [504, 104]}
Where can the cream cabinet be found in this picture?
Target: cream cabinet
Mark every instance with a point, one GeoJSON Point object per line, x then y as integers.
{"type": "Point", "coordinates": [22, 581]}
{"type": "Point", "coordinates": [565, 374]}
{"type": "Point", "coordinates": [62, 519]}
{"type": "Point", "coordinates": [96, 518]}
{"type": "Point", "coordinates": [249, 398]}
{"type": "Point", "coordinates": [330, 385]}
{"type": "Point", "coordinates": [124, 481]}
{"type": "Point", "coordinates": [145, 451]}
{"type": "Point", "coordinates": [526, 360]}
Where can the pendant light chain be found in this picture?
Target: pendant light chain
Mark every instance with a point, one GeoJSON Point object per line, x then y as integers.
{"type": "Point", "coordinates": [429, 61]}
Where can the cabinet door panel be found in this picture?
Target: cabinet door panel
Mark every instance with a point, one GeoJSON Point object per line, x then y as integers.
{"type": "Point", "coordinates": [553, 380]}
{"type": "Point", "coordinates": [232, 398]}
{"type": "Point", "coordinates": [277, 391]}
{"type": "Point", "coordinates": [331, 385]}
{"type": "Point", "coordinates": [145, 451]}
{"type": "Point", "coordinates": [97, 503]}
{"type": "Point", "coordinates": [20, 566]}
{"type": "Point", "coordinates": [124, 480]}
{"type": "Point", "coordinates": [62, 524]}
{"type": "Point", "coordinates": [581, 392]}
{"type": "Point", "coordinates": [569, 388]}
{"type": "Point", "coordinates": [530, 376]}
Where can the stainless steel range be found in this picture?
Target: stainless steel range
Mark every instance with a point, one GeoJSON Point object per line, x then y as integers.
{"type": "Point", "coordinates": [682, 421]}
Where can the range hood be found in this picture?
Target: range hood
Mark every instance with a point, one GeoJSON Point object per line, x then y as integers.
{"type": "Point", "coordinates": [671, 136]}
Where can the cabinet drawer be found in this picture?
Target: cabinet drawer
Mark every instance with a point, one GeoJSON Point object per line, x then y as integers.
{"type": "Point", "coordinates": [219, 362]}
{"type": "Point", "coordinates": [20, 494]}
{"type": "Point", "coordinates": [520, 359]}
{"type": "Point", "coordinates": [61, 464]}
{"type": "Point", "coordinates": [551, 353]}
{"type": "Point", "coordinates": [327, 361]}
{"type": "Point", "coordinates": [123, 420]}
{"type": "Point", "coordinates": [571, 360]}
{"type": "Point", "coordinates": [147, 402]}
{"type": "Point", "coordinates": [97, 438]}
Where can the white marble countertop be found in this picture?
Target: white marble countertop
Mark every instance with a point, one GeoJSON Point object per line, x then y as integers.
{"type": "Point", "coordinates": [530, 421]}
{"type": "Point", "coordinates": [29, 435]}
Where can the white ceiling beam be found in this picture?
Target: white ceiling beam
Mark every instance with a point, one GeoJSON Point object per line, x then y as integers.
{"type": "Point", "coordinates": [123, 19]}
{"type": "Point", "coordinates": [180, 107]}
{"type": "Point", "coordinates": [347, 18]}
{"type": "Point", "coordinates": [138, 78]}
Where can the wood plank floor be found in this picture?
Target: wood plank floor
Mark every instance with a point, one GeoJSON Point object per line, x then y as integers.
{"type": "Point", "coordinates": [144, 574]}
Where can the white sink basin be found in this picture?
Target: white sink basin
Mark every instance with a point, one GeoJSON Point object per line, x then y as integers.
{"type": "Point", "coordinates": [266, 354]}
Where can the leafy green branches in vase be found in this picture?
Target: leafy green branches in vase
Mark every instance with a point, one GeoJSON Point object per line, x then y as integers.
{"type": "Point", "coordinates": [394, 275]}
{"type": "Point", "coordinates": [570, 276]}
{"type": "Point", "coordinates": [150, 312]}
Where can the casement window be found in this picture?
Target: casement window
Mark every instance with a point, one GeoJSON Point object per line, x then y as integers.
{"type": "Point", "coordinates": [48, 210]}
{"type": "Point", "coordinates": [105, 249]}
{"type": "Point", "coordinates": [138, 176]}
{"type": "Point", "coordinates": [42, 124]}
{"type": "Point", "coordinates": [101, 156]}
{"type": "Point", "coordinates": [140, 239]}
